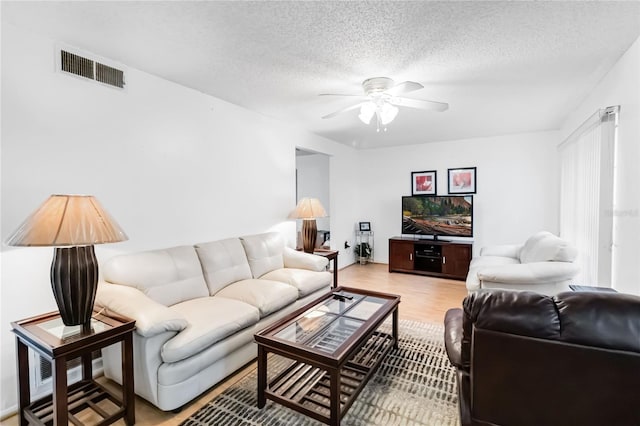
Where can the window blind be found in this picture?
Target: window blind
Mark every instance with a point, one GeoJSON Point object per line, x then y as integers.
{"type": "Point", "coordinates": [586, 195]}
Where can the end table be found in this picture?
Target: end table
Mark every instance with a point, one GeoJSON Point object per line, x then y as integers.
{"type": "Point", "coordinates": [575, 287]}
{"type": "Point", "coordinates": [48, 336]}
{"type": "Point", "coordinates": [331, 255]}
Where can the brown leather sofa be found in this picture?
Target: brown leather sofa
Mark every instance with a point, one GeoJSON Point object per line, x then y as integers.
{"type": "Point", "coordinates": [523, 358]}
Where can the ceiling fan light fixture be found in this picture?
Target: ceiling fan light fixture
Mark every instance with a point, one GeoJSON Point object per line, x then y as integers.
{"type": "Point", "coordinates": [366, 112]}
{"type": "Point", "coordinates": [388, 113]}
{"type": "Point", "coordinates": [381, 99]}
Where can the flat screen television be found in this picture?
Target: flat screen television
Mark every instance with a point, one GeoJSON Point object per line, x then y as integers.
{"type": "Point", "coordinates": [438, 216]}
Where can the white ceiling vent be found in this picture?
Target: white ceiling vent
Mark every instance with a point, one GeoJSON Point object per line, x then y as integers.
{"type": "Point", "coordinates": [89, 67]}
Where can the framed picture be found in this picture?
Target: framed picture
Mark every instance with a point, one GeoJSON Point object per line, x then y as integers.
{"type": "Point", "coordinates": [462, 181]}
{"type": "Point", "coordinates": [423, 183]}
{"type": "Point", "coordinates": [365, 226]}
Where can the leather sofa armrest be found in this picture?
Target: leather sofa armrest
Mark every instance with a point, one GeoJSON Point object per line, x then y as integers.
{"type": "Point", "coordinates": [505, 250]}
{"type": "Point", "coordinates": [453, 336]}
{"type": "Point", "coordinates": [529, 273]}
{"type": "Point", "coordinates": [151, 317]}
{"type": "Point", "coordinates": [301, 260]}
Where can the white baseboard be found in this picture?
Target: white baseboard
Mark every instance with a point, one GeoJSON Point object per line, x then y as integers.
{"type": "Point", "coordinates": [8, 412]}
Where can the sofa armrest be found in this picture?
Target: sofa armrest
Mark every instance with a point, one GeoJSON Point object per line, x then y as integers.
{"type": "Point", "coordinates": [301, 260]}
{"type": "Point", "coordinates": [453, 336]}
{"type": "Point", "coordinates": [529, 273]}
{"type": "Point", "coordinates": [151, 317]}
{"type": "Point", "coordinates": [505, 250]}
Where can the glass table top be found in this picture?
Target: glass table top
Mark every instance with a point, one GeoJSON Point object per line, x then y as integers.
{"type": "Point", "coordinates": [329, 324]}
{"type": "Point", "coordinates": [69, 333]}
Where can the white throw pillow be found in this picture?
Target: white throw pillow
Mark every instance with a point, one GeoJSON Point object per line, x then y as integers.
{"type": "Point", "coordinates": [546, 247]}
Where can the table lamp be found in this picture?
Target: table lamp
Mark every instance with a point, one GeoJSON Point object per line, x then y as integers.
{"type": "Point", "coordinates": [308, 209]}
{"type": "Point", "coordinates": [72, 224]}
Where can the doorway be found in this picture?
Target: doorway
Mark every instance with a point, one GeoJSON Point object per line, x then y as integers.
{"type": "Point", "coordinates": [312, 180]}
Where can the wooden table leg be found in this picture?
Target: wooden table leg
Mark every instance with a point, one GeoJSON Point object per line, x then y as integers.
{"type": "Point", "coordinates": [128, 392]}
{"type": "Point", "coordinates": [262, 376]}
{"type": "Point", "coordinates": [395, 327]}
{"type": "Point", "coordinates": [335, 271]}
{"type": "Point", "coordinates": [60, 409]}
{"type": "Point", "coordinates": [24, 393]}
{"type": "Point", "coordinates": [87, 366]}
{"type": "Point", "coordinates": [334, 397]}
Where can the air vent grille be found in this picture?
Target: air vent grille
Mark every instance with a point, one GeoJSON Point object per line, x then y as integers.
{"type": "Point", "coordinates": [77, 64]}
{"type": "Point", "coordinates": [109, 75]}
{"type": "Point", "coordinates": [46, 367]}
{"type": "Point", "coordinates": [87, 68]}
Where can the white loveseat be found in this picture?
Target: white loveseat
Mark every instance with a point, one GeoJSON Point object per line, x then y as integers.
{"type": "Point", "coordinates": [198, 307]}
{"type": "Point", "coordinates": [544, 264]}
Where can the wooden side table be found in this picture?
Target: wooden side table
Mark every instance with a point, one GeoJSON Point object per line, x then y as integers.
{"type": "Point", "coordinates": [48, 336]}
{"type": "Point", "coordinates": [575, 287]}
{"type": "Point", "coordinates": [331, 255]}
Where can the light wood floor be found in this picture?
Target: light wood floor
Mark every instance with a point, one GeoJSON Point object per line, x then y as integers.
{"type": "Point", "coordinates": [423, 299]}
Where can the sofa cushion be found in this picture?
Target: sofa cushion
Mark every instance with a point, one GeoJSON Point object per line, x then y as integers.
{"type": "Point", "coordinates": [304, 280]}
{"type": "Point", "coordinates": [223, 262]}
{"type": "Point", "coordinates": [529, 273]}
{"type": "Point", "coordinates": [504, 250]}
{"type": "Point", "coordinates": [546, 247]}
{"type": "Point", "coordinates": [608, 320]}
{"type": "Point", "coordinates": [167, 276]}
{"type": "Point", "coordinates": [264, 252]}
{"type": "Point", "coordinates": [268, 296]}
{"type": "Point", "coordinates": [477, 263]}
{"type": "Point", "coordinates": [481, 261]}
{"type": "Point", "coordinates": [211, 319]}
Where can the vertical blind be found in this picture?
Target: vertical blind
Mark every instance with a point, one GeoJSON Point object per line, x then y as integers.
{"type": "Point", "coordinates": [586, 195]}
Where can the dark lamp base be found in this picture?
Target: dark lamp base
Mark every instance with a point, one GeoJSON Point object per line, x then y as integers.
{"type": "Point", "coordinates": [74, 280]}
{"type": "Point", "coordinates": [309, 235]}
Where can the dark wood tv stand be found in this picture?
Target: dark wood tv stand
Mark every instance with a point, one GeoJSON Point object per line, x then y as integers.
{"type": "Point", "coordinates": [437, 258]}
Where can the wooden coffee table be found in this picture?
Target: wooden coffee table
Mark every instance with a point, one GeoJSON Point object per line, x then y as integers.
{"type": "Point", "coordinates": [336, 346]}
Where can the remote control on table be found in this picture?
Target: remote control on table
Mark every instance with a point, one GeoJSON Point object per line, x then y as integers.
{"type": "Point", "coordinates": [342, 296]}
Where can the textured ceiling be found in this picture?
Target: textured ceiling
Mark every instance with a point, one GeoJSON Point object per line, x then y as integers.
{"type": "Point", "coordinates": [503, 67]}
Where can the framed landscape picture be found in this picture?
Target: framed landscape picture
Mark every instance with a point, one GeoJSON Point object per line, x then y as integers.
{"type": "Point", "coordinates": [423, 183]}
{"type": "Point", "coordinates": [462, 181]}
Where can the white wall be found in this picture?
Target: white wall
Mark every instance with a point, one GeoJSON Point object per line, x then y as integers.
{"type": "Point", "coordinates": [172, 165]}
{"type": "Point", "coordinates": [313, 182]}
{"type": "Point", "coordinates": [621, 86]}
{"type": "Point", "coordinates": [516, 185]}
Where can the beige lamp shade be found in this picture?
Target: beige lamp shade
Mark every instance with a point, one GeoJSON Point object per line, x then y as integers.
{"type": "Point", "coordinates": [308, 208]}
{"type": "Point", "coordinates": [68, 220]}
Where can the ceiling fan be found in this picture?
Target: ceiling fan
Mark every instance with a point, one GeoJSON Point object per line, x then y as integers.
{"type": "Point", "coordinates": [381, 98]}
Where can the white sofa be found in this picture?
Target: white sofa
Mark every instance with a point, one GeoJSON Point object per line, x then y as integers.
{"type": "Point", "coordinates": [198, 307]}
{"type": "Point", "coordinates": [544, 264]}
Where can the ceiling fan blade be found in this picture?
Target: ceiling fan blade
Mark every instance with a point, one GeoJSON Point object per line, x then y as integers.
{"type": "Point", "coordinates": [340, 111]}
{"type": "Point", "coordinates": [344, 94]}
{"type": "Point", "coordinates": [420, 104]}
{"type": "Point", "coordinates": [404, 87]}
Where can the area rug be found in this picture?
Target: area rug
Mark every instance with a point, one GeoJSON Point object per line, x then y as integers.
{"type": "Point", "coordinates": [415, 385]}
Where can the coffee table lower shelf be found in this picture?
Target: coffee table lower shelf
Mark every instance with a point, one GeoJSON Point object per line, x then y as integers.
{"type": "Point", "coordinates": [307, 388]}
